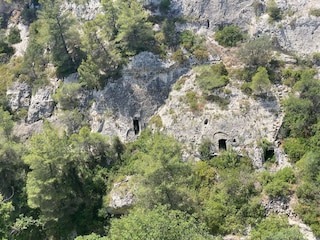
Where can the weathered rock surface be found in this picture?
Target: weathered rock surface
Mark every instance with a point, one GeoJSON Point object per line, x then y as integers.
{"type": "Point", "coordinates": [19, 96]}
{"type": "Point", "coordinates": [298, 31]}
{"type": "Point", "coordinates": [121, 196]}
{"type": "Point", "coordinates": [144, 87]}
{"type": "Point", "coordinates": [42, 105]}
{"type": "Point", "coordinates": [241, 126]}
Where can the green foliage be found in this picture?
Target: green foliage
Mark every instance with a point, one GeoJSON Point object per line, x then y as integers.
{"type": "Point", "coordinates": [6, 51]}
{"type": "Point", "coordinates": [232, 202]}
{"type": "Point", "coordinates": [192, 100]}
{"type": "Point", "coordinates": [260, 82]}
{"type": "Point", "coordinates": [179, 57]}
{"type": "Point", "coordinates": [28, 14]}
{"type": "Point", "coordinates": [157, 121]}
{"type": "Point", "coordinates": [67, 96]}
{"type": "Point", "coordinates": [158, 223]}
{"type": "Point", "coordinates": [275, 228]}
{"type": "Point", "coordinates": [256, 52]}
{"type": "Point", "coordinates": [6, 209]}
{"type": "Point", "coordinates": [211, 77]}
{"type": "Point", "coordinates": [314, 12]}
{"type": "Point", "coordinates": [164, 6]}
{"type": "Point", "coordinates": [205, 149]}
{"type": "Point", "coordinates": [229, 36]}
{"type": "Point", "coordinates": [295, 148]}
{"type": "Point", "coordinates": [14, 35]}
{"type": "Point", "coordinates": [162, 177]}
{"type": "Point", "coordinates": [187, 39]}
{"type": "Point", "coordinates": [59, 32]}
{"type": "Point", "coordinates": [67, 179]}
{"type": "Point", "coordinates": [279, 183]}
{"type": "Point", "coordinates": [246, 88]}
{"type": "Point", "coordinates": [273, 10]}
{"type": "Point", "coordinates": [134, 31]}
{"type": "Point", "coordinates": [27, 228]}
{"type": "Point", "coordinates": [302, 111]}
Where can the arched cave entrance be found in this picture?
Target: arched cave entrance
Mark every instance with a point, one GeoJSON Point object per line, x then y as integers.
{"type": "Point", "coordinates": [222, 144]}
{"type": "Point", "coordinates": [136, 126]}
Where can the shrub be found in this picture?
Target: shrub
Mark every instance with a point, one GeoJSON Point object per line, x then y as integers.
{"type": "Point", "coordinates": [256, 52]}
{"type": "Point", "coordinates": [156, 120]}
{"type": "Point", "coordinates": [315, 12]}
{"type": "Point", "coordinates": [211, 77]}
{"type": "Point", "coordinates": [279, 183]}
{"type": "Point", "coordinates": [246, 88]}
{"type": "Point", "coordinates": [192, 100]}
{"type": "Point", "coordinates": [260, 81]}
{"type": "Point", "coordinates": [316, 58]}
{"type": "Point", "coordinates": [295, 148]}
{"type": "Point", "coordinates": [201, 54]}
{"type": "Point", "coordinates": [67, 96]}
{"type": "Point", "coordinates": [14, 36]}
{"type": "Point", "coordinates": [273, 11]}
{"type": "Point", "coordinates": [187, 39]}
{"type": "Point", "coordinates": [205, 149]}
{"type": "Point", "coordinates": [179, 57]}
{"type": "Point", "coordinates": [229, 36]}
{"type": "Point", "coordinates": [164, 6]}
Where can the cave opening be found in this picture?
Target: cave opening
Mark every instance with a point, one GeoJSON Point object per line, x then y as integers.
{"type": "Point", "coordinates": [222, 144]}
{"type": "Point", "coordinates": [136, 126]}
{"type": "Point", "coordinates": [269, 154]}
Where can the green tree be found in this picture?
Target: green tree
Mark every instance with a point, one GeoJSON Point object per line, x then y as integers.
{"type": "Point", "coordinates": [59, 32]}
{"type": "Point", "coordinates": [6, 210]}
{"type": "Point", "coordinates": [162, 177]}
{"type": "Point", "coordinates": [158, 223]}
{"type": "Point", "coordinates": [260, 81]}
{"type": "Point", "coordinates": [256, 52]}
{"type": "Point", "coordinates": [67, 179]}
{"type": "Point", "coordinates": [134, 30]}
{"type": "Point", "coordinates": [229, 36]}
{"type": "Point", "coordinates": [275, 228]}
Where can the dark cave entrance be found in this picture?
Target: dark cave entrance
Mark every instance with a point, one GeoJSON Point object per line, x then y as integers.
{"type": "Point", "coordinates": [269, 154]}
{"type": "Point", "coordinates": [222, 144]}
{"type": "Point", "coordinates": [136, 126]}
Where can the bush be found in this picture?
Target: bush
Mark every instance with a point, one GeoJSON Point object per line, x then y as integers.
{"type": "Point", "coordinates": [14, 36]}
{"type": "Point", "coordinates": [67, 96]}
{"type": "Point", "coordinates": [205, 149]}
{"type": "Point", "coordinates": [187, 39]}
{"type": "Point", "coordinates": [179, 57]}
{"type": "Point", "coordinates": [273, 11]}
{"type": "Point", "coordinates": [201, 54]}
{"type": "Point", "coordinates": [229, 36]}
{"type": "Point", "coordinates": [192, 100]}
{"type": "Point", "coordinates": [260, 81]}
{"type": "Point", "coordinates": [246, 88]}
{"type": "Point", "coordinates": [256, 52]}
{"type": "Point", "coordinates": [315, 12]}
{"type": "Point", "coordinates": [164, 6]}
{"type": "Point", "coordinates": [279, 183]}
{"type": "Point", "coordinates": [276, 228]}
{"type": "Point", "coordinates": [211, 77]}
{"type": "Point", "coordinates": [295, 148]}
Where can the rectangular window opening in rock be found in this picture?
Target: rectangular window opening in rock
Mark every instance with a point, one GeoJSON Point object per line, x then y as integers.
{"type": "Point", "coordinates": [136, 126]}
{"type": "Point", "coordinates": [222, 144]}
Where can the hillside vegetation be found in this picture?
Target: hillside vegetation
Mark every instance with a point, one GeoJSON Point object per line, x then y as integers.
{"type": "Point", "coordinates": [59, 182]}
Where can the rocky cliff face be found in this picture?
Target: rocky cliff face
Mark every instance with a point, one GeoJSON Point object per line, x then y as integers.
{"type": "Point", "coordinates": [297, 31]}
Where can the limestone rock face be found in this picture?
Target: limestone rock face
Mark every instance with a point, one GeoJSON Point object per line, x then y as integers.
{"type": "Point", "coordinates": [241, 125]}
{"type": "Point", "coordinates": [297, 31]}
{"type": "Point", "coordinates": [19, 96]}
{"type": "Point", "coordinates": [121, 197]}
{"type": "Point", "coordinates": [42, 105]}
{"type": "Point", "coordinates": [143, 88]}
